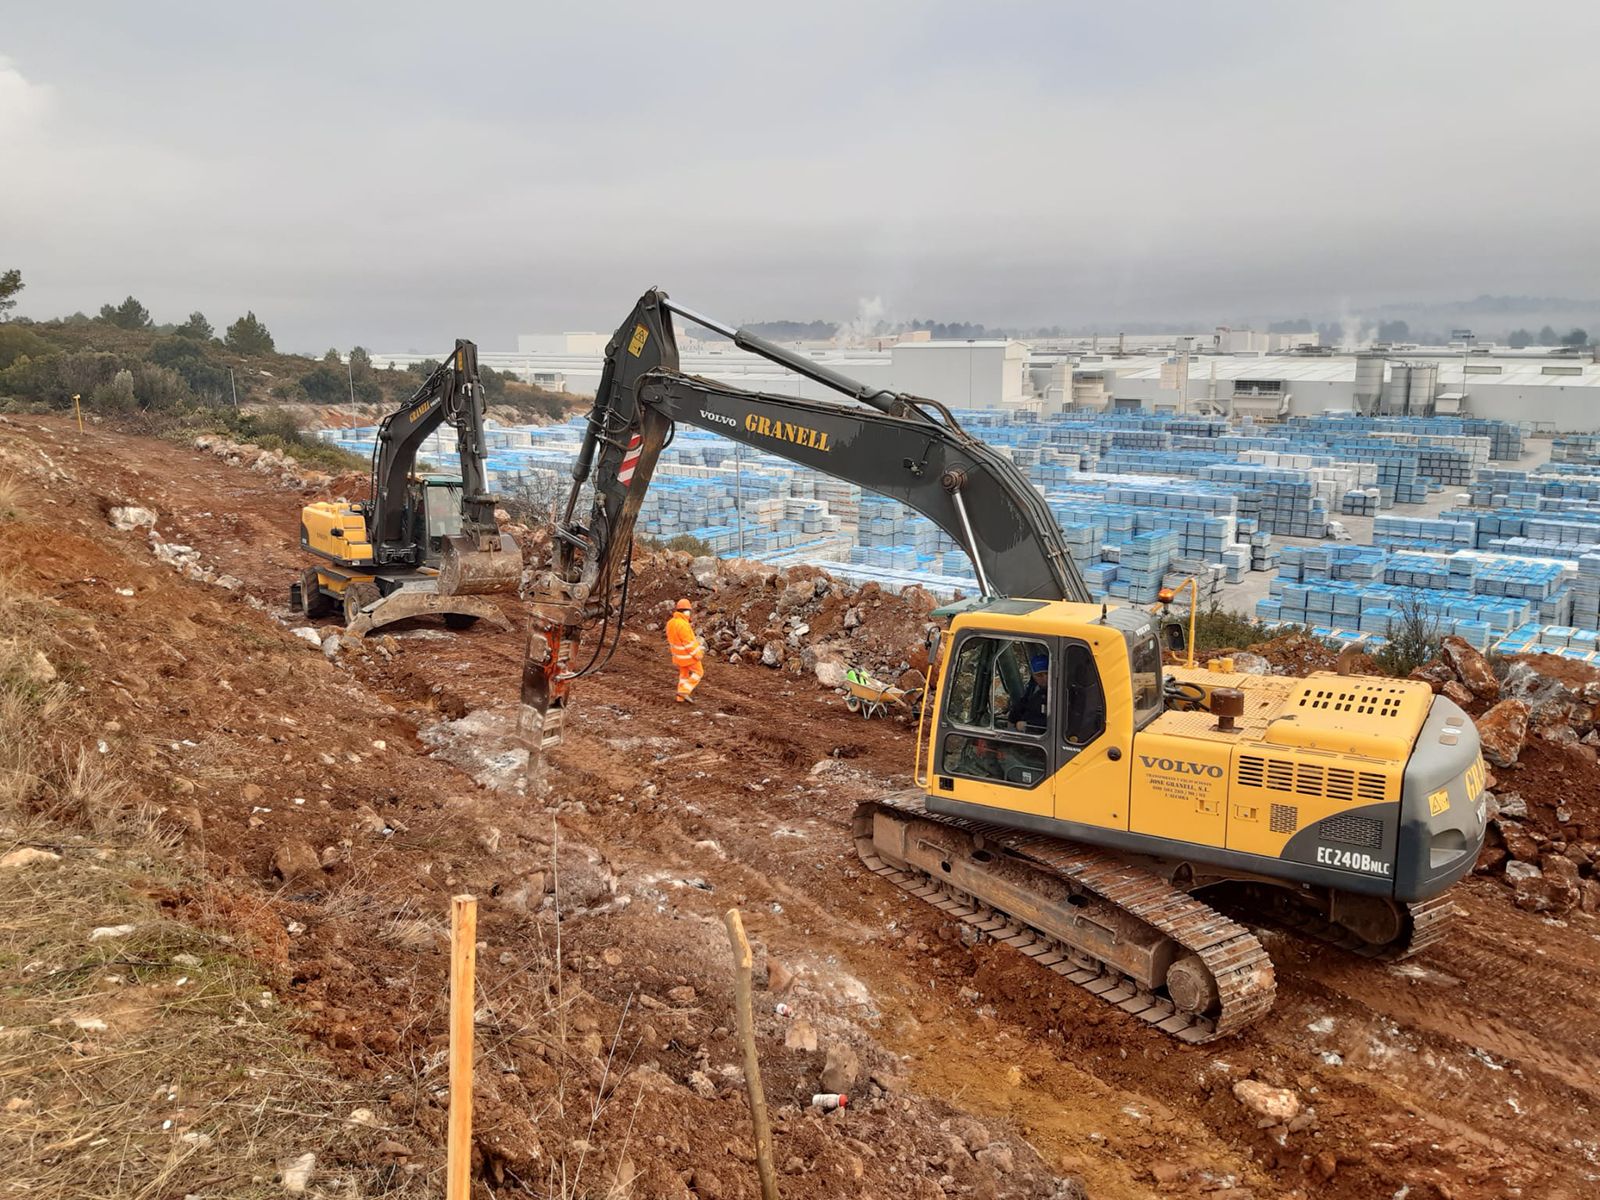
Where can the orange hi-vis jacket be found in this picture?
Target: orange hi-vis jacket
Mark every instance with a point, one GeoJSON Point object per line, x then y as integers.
{"type": "Point", "coordinates": [687, 648]}
{"type": "Point", "coordinates": [687, 652]}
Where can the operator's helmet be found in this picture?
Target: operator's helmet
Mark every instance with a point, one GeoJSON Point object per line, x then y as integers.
{"type": "Point", "coordinates": [683, 606]}
{"type": "Point", "coordinates": [1039, 664]}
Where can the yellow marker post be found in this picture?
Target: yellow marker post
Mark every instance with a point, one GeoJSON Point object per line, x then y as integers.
{"type": "Point", "coordinates": [463, 961]}
{"type": "Point", "coordinates": [78, 408]}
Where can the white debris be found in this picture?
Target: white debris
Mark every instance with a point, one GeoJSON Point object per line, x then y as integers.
{"type": "Point", "coordinates": [105, 933]}
{"type": "Point", "coordinates": [90, 1024]}
{"type": "Point", "coordinates": [28, 856]}
{"type": "Point", "coordinates": [295, 1173]}
{"type": "Point", "coordinates": [308, 635]}
{"type": "Point", "coordinates": [131, 516]}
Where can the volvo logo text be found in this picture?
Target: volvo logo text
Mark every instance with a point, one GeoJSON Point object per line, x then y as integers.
{"type": "Point", "coordinates": [1180, 767]}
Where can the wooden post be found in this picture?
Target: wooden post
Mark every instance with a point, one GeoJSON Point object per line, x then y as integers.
{"type": "Point", "coordinates": [463, 958]}
{"type": "Point", "coordinates": [78, 409]}
{"type": "Point", "coordinates": [742, 964]}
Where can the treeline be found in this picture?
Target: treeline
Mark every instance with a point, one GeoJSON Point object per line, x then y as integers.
{"type": "Point", "coordinates": [1332, 334]}
{"type": "Point", "coordinates": [122, 361]}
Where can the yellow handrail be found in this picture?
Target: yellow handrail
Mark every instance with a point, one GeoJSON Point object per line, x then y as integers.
{"type": "Point", "coordinates": [917, 776]}
{"type": "Point", "coordinates": [1193, 585]}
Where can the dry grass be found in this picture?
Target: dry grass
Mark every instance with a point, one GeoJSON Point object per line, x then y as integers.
{"type": "Point", "coordinates": [151, 1062]}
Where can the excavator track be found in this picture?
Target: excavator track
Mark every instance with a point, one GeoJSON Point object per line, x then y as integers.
{"type": "Point", "coordinates": [1421, 924]}
{"type": "Point", "coordinates": [1227, 978]}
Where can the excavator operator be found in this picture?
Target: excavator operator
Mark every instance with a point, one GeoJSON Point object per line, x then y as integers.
{"type": "Point", "coordinates": [1028, 710]}
{"type": "Point", "coordinates": [688, 652]}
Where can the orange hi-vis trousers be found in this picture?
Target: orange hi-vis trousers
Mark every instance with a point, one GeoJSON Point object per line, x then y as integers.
{"type": "Point", "coordinates": [688, 654]}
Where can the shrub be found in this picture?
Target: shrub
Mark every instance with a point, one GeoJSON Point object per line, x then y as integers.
{"type": "Point", "coordinates": [116, 395]}
{"type": "Point", "coordinates": [16, 341]}
{"type": "Point", "coordinates": [1414, 644]}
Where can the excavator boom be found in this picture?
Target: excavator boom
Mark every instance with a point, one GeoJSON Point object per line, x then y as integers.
{"type": "Point", "coordinates": [908, 448]}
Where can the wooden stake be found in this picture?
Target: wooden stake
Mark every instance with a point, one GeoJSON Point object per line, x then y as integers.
{"type": "Point", "coordinates": [78, 409]}
{"type": "Point", "coordinates": [463, 959]}
{"type": "Point", "coordinates": [742, 964]}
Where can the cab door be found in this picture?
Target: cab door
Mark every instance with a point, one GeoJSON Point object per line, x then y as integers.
{"type": "Point", "coordinates": [994, 745]}
{"type": "Point", "coordinates": [1091, 732]}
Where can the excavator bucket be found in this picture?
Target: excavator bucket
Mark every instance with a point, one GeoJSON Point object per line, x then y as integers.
{"type": "Point", "coordinates": [423, 602]}
{"type": "Point", "coordinates": [468, 569]}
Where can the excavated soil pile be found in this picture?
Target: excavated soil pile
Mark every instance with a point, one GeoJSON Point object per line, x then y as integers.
{"type": "Point", "coordinates": [336, 794]}
{"type": "Point", "coordinates": [800, 620]}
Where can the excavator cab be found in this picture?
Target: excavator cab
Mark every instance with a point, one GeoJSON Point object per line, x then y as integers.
{"type": "Point", "coordinates": [435, 506]}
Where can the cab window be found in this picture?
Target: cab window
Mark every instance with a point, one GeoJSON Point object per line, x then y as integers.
{"type": "Point", "coordinates": [1000, 691]}
{"type": "Point", "coordinates": [1001, 683]}
{"type": "Point", "coordinates": [1144, 665]}
{"type": "Point", "coordinates": [1084, 716]}
{"type": "Point", "coordinates": [443, 510]}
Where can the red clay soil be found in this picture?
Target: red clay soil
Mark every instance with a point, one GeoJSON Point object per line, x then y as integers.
{"type": "Point", "coordinates": [1470, 1072]}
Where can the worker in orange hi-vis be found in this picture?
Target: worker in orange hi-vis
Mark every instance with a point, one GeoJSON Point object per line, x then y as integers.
{"type": "Point", "coordinates": [688, 652]}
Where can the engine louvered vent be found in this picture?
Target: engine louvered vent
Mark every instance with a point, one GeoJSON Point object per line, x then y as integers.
{"type": "Point", "coordinates": [1311, 779]}
{"type": "Point", "coordinates": [1352, 831]}
{"type": "Point", "coordinates": [1376, 700]}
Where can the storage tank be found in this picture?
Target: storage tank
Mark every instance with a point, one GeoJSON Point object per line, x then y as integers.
{"type": "Point", "coordinates": [1412, 387]}
{"type": "Point", "coordinates": [1369, 382]}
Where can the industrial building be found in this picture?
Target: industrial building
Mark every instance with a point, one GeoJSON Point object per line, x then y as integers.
{"type": "Point", "coordinates": [1554, 391]}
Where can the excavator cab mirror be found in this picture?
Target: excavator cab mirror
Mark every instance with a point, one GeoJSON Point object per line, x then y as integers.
{"type": "Point", "coordinates": [1174, 635]}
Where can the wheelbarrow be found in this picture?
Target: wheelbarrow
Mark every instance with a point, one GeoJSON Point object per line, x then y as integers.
{"type": "Point", "coordinates": [871, 698]}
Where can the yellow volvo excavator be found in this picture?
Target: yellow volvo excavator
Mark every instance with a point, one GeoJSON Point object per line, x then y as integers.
{"type": "Point", "coordinates": [422, 544]}
{"type": "Point", "coordinates": [1118, 821]}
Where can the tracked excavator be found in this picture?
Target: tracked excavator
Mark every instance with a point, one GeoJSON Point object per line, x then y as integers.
{"type": "Point", "coordinates": [1123, 824]}
{"type": "Point", "coordinates": [420, 545]}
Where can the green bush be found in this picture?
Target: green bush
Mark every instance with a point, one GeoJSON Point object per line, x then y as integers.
{"type": "Point", "coordinates": [115, 395]}
{"type": "Point", "coordinates": [16, 342]}
{"type": "Point", "coordinates": [1414, 644]}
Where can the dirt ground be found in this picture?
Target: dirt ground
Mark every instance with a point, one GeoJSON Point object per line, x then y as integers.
{"type": "Point", "coordinates": [607, 1058]}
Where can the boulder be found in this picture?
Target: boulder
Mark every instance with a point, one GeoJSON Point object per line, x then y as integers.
{"type": "Point", "coordinates": [1279, 1105]}
{"type": "Point", "coordinates": [705, 570]}
{"type": "Point", "coordinates": [295, 859]}
{"type": "Point", "coordinates": [1435, 675]}
{"type": "Point", "coordinates": [1470, 667]}
{"type": "Point", "coordinates": [1520, 844]}
{"type": "Point", "coordinates": [798, 593]}
{"type": "Point", "coordinates": [830, 672]}
{"type": "Point", "coordinates": [295, 1173]}
{"type": "Point", "coordinates": [1503, 731]}
{"type": "Point", "coordinates": [842, 1069]}
{"type": "Point", "coordinates": [27, 856]}
{"type": "Point", "coordinates": [1247, 663]}
{"type": "Point", "coordinates": [1553, 887]}
{"type": "Point", "coordinates": [38, 670]}
{"type": "Point", "coordinates": [1456, 692]}
{"type": "Point", "coordinates": [131, 516]}
{"type": "Point", "coordinates": [772, 654]}
{"type": "Point", "coordinates": [1512, 805]}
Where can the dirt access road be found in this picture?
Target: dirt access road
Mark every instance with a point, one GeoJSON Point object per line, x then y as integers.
{"type": "Point", "coordinates": [1469, 1072]}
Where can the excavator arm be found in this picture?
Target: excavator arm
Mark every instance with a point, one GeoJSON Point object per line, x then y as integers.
{"type": "Point", "coordinates": [451, 393]}
{"type": "Point", "coordinates": [908, 448]}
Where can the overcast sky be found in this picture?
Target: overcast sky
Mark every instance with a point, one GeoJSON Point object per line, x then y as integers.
{"type": "Point", "coordinates": [398, 175]}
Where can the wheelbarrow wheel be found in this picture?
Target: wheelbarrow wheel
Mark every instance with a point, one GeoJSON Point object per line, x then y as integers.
{"type": "Point", "coordinates": [852, 702]}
